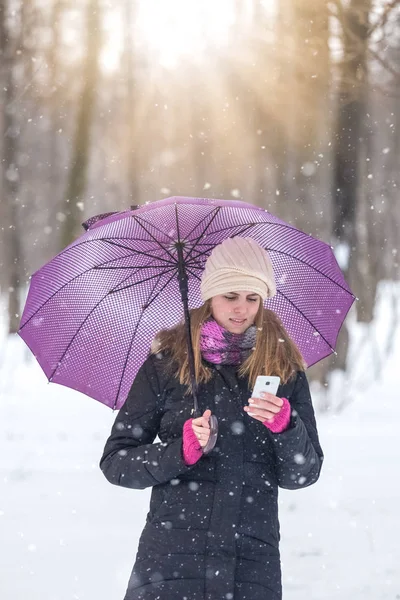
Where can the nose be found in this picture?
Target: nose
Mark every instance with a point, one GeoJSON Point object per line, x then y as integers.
{"type": "Point", "coordinates": [240, 309]}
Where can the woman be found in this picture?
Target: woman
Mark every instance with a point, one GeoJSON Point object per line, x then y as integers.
{"type": "Point", "coordinates": [212, 531]}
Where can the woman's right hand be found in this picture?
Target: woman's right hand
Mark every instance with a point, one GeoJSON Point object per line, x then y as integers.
{"type": "Point", "coordinates": [201, 428]}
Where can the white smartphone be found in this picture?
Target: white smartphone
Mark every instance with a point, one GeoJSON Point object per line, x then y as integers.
{"type": "Point", "coordinates": [266, 383]}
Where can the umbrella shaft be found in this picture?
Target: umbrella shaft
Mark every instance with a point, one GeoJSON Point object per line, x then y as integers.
{"type": "Point", "coordinates": [183, 287]}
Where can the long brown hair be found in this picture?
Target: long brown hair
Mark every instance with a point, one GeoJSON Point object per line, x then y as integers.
{"type": "Point", "coordinates": [274, 352]}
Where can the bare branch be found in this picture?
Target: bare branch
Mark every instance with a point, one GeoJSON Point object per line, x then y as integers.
{"type": "Point", "coordinates": [383, 20]}
{"type": "Point", "coordinates": [384, 63]}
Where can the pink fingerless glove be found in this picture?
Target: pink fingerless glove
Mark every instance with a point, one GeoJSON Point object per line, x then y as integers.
{"type": "Point", "coordinates": [192, 451]}
{"type": "Point", "coordinates": [281, 419]}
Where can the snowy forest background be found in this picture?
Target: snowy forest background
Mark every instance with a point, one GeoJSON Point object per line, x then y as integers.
{"type": "Point", "coordinates": [287, 104]}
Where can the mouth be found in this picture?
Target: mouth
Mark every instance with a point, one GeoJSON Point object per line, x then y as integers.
{"type": "Point", "coordinates": [238, 321]}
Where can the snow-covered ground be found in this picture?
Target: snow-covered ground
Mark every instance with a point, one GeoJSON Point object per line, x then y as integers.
{"type": "Point", "coordinates": [67, 534]}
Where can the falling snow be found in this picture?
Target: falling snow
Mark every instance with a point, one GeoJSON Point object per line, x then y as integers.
{"type": "Point", "coordinates": [61, 521]}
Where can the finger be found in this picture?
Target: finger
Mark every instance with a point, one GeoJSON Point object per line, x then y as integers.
{"type": "Point", "coordinates": [264, 416]}
{"type": "Point", "coordinates": [202, 439]}
{"type": "Point", "coordinates": [264, 405]}
{"type": "Point", "coordinates": [261, 414]}
{"type": "Point", "coordinates": [200, 421]}
{"type": "Point", "coordinates": [203, 419]}
{"type": "Point", "coordinates": [264, 401]}
{"type": "Point", "coordinates": [198, 428]}
{"type": "Point", "coordinates": [201, 431]}
{"type": "Point", "coordinates": [203, 443]}
{"type": "Point", "coordinates": [206, 419]}
{"type": "Point", "coordinates": [271, 398]}
{"type": "Point", "coordinates": [267, 397]}
{"type": "Point", "coordinates": [262, 420]}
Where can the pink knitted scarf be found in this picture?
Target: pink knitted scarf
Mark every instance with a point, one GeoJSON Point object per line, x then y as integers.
{"type": "Point", "coordinates": [220, 346]}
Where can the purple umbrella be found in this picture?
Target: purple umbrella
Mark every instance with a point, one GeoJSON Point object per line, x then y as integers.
{"type": "Point", "coordinates": [93, 310]}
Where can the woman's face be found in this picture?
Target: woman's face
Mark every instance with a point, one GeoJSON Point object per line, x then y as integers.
{"type": "Point", "coordinates": [235, 311]}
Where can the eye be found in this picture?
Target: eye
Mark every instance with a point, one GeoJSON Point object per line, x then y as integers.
{"type": "Point", "coordinates": [229, 297]}
{"type": "Point", "coordinates": [252, 299]}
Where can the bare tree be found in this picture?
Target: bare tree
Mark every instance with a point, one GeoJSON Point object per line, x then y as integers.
{"type": "Point", "coordinates": [130, 64]}
{"type": "Point", "coordinates": [9, 41]}
{"type": "Point", "coordinates": [309, 120]}
{"type": "Point", "coordinates": [350, 112]}
{"type": "Point", "coordinates": [354, 225]}
{"type": "Point", "coordinates": [54, 99]}
{"type": "Point", "coordinates": [76, 185]}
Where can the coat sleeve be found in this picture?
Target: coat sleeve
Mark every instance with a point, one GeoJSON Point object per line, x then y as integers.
{"type": "Point", "coordinates": [130, 458]}
{"type": "Point", "coordinates": [298, 452]}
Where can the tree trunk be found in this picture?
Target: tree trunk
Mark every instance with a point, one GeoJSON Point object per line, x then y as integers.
{"type": "Point", "coordinates": [77, 179]}
{"type": "Point", "coordinates": [54, 193]}
{"type": "Point", "coordinates": [350, 115]}
{"type": "Point", "coordinates": [130, 66]}
{"type": "Point", "coordinates": [279, 139]}
{"type": "Point", "coordinates": [350, 143]}
{"type": "Point", "coordinates": [307, 95]}
{"type": "Point", "coordinates": [259, 115]}
{"type": "Point", "coordinates": [347, 157]}
{"type": "Point", "coordinates": [309, 109]}
{"type": "Point", "coordinates": [10, 175]}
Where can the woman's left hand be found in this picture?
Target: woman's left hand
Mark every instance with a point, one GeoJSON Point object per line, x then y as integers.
{"type": "Point", "coordinates": [264, 408]}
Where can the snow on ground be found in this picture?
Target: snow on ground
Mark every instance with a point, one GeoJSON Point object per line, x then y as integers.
{"type": "Point", "coordinates": [67, 534]}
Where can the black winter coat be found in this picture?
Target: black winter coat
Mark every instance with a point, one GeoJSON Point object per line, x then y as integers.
{"type": "Point", "coordinates": [212, 530]}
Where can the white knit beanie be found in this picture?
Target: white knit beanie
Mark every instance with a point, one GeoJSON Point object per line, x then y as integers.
{"type": "Point", "coordinates": [238, 265]}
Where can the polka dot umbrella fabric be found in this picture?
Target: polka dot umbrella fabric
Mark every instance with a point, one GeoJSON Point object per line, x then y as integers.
{"type": "Point", "coordinates": [93, 310]}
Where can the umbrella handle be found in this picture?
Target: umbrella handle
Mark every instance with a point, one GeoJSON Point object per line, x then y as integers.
{"type": "Point", "coordinates": [213, 435]}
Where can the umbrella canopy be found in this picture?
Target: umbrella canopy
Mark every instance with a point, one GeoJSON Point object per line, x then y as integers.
{"type": "Point", "coordinates": [93, 310]}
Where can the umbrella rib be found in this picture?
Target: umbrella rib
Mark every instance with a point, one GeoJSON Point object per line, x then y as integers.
{"type": "Point", "coordinates": [138, 251]}
{"type": "Point", "coordinates": [80, 327]}
{"type": "Point", "coordinates": [197, 243]}
{"type": "Point", "coordinates": [148, 302]}
{"type": "Point", "coordinates": [159, 292]}
{"type": "Point", "coordinates": [92, 240]}
{"type": "Point", "coordinates": [115, 291]}
{"type": "Point", "coordinates": [177, 223]}
{"type": "Point", "coordinates": [306, 318]}
{"type": "Point", "coordinates": [290, 302]}
{"type": "Point", "coordinates": [215, 211]}
{"type": "Point", "coordinates": [294, 306]}
{"type": "Point", "coordinates": [213, 244]}
{"type": "Point", "coordinates": [133, 239]}
{"type": "Point", "coordinates": [138, 219]}
{"type": "Point", "coordinates": [158, 275]}
{"type": "Point", "coordinates": [130, 347]}
{"type": "Point", "coordinates": [154, 238]}
{"type": "Point", "coordinates": [274, 224]}
{"type": "Point", "coordinates": [193, 274]}
{"type": "Point", "coordinates": [200, 266]}
{"type": "Point", "coordinates": [128, 267]}
{"type": "Point", "coordinates": [73, 279]}
{"type": "Point", "coordinates": [245, 226]}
